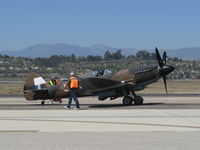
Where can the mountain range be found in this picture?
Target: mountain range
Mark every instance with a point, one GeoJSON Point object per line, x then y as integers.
{"type": "Point", "coordinates": [47, 50]}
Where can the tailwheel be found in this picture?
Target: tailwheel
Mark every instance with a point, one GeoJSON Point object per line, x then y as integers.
{"type": "Point", "coordinates": [138, 100]}
{"type": "Point", "coordinates": [42, 102]}
{"type": "Point", "coordinates": [127, 100]}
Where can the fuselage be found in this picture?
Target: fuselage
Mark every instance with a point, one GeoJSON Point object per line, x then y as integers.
{"type": "Point", "coordinates": [138, 76]}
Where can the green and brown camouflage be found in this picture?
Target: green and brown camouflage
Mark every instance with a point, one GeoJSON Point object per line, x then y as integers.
{"type": "Point", "coordinates": [122, 83]}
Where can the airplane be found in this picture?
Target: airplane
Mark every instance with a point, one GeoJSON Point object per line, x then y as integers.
{"type": "Point", "coordinates": [123, 83]}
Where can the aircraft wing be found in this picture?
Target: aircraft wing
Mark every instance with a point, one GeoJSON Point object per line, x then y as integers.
{"type": "Point", "coordinates": [98, 85]}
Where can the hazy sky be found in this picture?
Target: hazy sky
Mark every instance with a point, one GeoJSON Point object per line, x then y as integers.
{"type": "Point", "coordinates": [116, 23]}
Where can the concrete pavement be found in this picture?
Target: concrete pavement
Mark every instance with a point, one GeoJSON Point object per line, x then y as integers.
{"type": "Point", "coordinates": [99, 120]}
{"type": "Point", "coordinates": [101, 125]}
{"type": "Point", "coordinates": [101, 141]}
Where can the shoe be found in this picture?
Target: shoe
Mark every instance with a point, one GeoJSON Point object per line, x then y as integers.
{"type": "Point", "coordinates": [76, 108]}
{"type": "Point", "coordinates": [66, 107]}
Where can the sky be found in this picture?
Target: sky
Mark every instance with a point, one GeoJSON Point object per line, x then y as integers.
{"type": "Point", "coordinates": [141, 24]}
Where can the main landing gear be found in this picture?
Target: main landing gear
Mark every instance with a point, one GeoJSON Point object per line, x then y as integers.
{"type": "Point", "coordinates": [127, 100]}
{"type": "Point", "coordinates": [42, 102]}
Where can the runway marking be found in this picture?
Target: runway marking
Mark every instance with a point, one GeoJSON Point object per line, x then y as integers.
{"type": "Point", "coordinates": [107, 122]}
{"type": "Point", "coordinates": [102, 117]}
{"type": "Point", "coordinates": [19, 131]}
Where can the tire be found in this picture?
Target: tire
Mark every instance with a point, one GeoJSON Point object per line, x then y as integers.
{"type": "Point", "coordinates": [138, 100]}
{"type": "Point", "coordinates": [42, 102]}
{"type": "Point", "coordinates": [127, 100]}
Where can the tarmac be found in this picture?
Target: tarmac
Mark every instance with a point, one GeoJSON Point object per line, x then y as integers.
{"type": "Point", "coordinates": [163, 122]}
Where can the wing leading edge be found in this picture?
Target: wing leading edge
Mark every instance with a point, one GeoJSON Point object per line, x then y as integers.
{"type": "Point", "coordinates": [99, 85]}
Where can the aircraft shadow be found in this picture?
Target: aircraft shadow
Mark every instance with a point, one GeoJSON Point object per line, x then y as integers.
{"type": "Point", "coordinates": [121, 105]}
{"type": "Point", "coordinates": [87, 106]}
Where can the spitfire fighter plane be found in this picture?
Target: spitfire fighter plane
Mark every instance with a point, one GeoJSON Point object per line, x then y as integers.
{"type": "Point", "coordinates": [123, 83]}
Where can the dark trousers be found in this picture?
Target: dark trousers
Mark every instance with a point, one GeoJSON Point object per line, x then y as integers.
{"type": "Point", "coordinates": [73, 95]}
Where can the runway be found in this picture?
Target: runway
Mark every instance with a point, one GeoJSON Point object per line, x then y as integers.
{"type": "Point", "coordinates": [92, 103]}
{"type": "Point", "coordinates": [169, 122]}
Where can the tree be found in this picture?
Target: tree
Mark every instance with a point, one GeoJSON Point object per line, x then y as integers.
{"type": "Point", "coordinates": [73, 57]}
{"type": "Point", "coordinates": [175, 59]}
{"type": "Point", "coordinates": [93, 58]}
{"type": "Point", "coordinates": [144, 55]}
{"type": "Point", "coordinates": [108, 55]}
{"type": "Point", "coordinates": [117, 55]}
{"type": "Point", "coordinates": [153, 56]}
{"type": "Point", "coordinates": [131, 57]}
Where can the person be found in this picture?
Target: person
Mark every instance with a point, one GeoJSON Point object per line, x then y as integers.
{"type": "Point", "coordinates": [73, 88]}
{"type": "Point", "coordinates": [54, 81]}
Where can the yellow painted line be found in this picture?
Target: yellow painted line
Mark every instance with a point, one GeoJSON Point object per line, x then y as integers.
{"type": "Point", "coordinates": [108, 122]}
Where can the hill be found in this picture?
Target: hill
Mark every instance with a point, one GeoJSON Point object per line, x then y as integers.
{"type": "Point", "coordinates": [186, 53]}
{"type": "Point", "coordinates": [47, 50]}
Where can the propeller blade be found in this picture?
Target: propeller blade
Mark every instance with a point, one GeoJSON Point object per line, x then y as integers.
{"type": "Point", "coordinates": [165, 83]}
{"type": "Point", "coordinates": [160, 61]}
{"type": "Point", "coordinates": [165, 58]}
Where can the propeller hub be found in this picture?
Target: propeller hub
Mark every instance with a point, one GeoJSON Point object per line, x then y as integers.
{"type": "Point", "coordinates": [167, 69]}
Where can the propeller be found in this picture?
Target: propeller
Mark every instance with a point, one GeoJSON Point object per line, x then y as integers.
{"type": "Point", "coordinates": [165, 83]}
{"type": "Point", "coordinates": [164, 68]}
{"type": "Point", "coordinates": [160, 61]}
{"type": "Point", "coordinates": [164, 57]}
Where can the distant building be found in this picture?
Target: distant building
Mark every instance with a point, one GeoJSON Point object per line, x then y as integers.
{"type": "Point", "coordinates": [3, 68]}
{"type": "Point", "coordinates": [49, 69]}
{"type": "Point", "coordinates": [35, 68]}
{"type": "Point", "coordinates": [11, 68]}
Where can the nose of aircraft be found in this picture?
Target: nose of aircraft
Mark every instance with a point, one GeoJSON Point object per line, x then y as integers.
{"type": "Point", "coordinates": [167, 69]}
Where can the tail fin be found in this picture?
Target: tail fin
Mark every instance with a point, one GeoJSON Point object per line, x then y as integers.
{"type": "Point", "coordinates": [35, 87]}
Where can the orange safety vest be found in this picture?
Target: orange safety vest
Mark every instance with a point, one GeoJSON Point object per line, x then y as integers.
{"type": "Point", "coordinates": [73, 82]}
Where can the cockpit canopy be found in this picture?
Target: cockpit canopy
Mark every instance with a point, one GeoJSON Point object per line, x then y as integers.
{"type": "Point", "coordinates": [96, 73]}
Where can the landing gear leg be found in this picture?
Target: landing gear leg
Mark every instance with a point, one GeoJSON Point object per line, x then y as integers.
{"type": "Point", "coordinates": [42, 102]}
{"type": "Point", "coordinates": [51, 101]}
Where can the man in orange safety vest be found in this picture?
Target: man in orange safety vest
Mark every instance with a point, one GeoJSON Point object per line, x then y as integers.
{"type": "Point", "coordinates": [73, 88]}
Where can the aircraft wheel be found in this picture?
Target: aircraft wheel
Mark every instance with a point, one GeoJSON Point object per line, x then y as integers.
{"type": "Point", "coordinates": [127, 100]}
{"type": "Point", "coordinates": [42, 102]}
{"type": "Point", "coordinates": [138, 100]}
